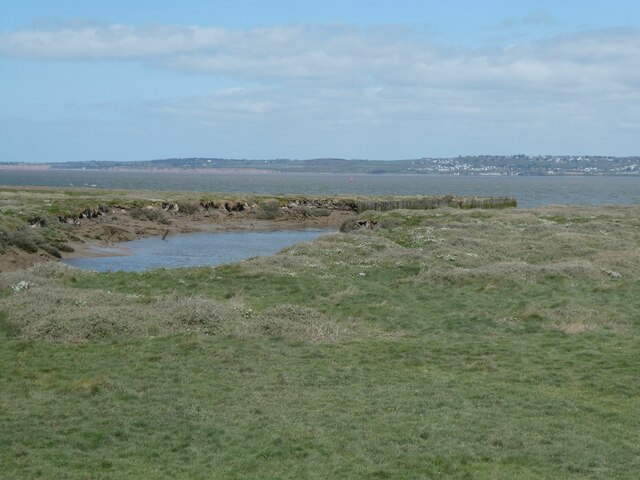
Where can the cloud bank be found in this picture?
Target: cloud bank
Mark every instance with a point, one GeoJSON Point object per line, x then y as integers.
{"type": "Point", "coordinates": [592, 60]}
{"type": "Point", "coordinates": [339, 77]}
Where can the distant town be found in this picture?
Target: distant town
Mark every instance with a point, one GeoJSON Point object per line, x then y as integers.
{"type": "Point", "coordinates": [461, 165]}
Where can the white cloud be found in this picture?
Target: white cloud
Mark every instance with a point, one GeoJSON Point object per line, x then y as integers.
{"type": "Point", "coordinates": [109, 42]}
{"type": "Point", "coordinates": [337, 78]}
{"type": "Point", "coordinates": [341, 55]}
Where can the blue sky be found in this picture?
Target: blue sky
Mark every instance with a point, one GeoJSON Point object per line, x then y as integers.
{"type": "Point", "coordinates": [378, 79]}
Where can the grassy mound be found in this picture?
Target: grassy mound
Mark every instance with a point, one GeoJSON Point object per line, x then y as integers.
{"type": "Point", "coordinates": [40, 308]}
{"type": "Point", "coordinates": [15, 233]}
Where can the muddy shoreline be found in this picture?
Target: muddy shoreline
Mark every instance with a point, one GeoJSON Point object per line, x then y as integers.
{"type": "Point", "coordinates": [90, 235]}
{"type": "Point", "coordinates": [46, 224]}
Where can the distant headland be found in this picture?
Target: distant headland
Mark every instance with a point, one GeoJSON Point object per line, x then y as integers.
{"type": "Point", "coordinates": [461, 165]}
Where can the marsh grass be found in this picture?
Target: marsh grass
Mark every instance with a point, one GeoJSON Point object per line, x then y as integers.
{"type": "Point", "coordinates": [492, 344]}
{"type": "Point", "coordinates": [29, 203]}
{"type": "Point", "coordinates": [46, 311]}
{"type": "Point", "coordinates": [31, 238]}
{"type": "Point", "coordinates": [306, 211]}
{"type": "Point", "coordinates": [149, 214]}
{"type": "Point", "coordinates": [268, 209]}
{"type": "Point", "coordinates": [188, 207]}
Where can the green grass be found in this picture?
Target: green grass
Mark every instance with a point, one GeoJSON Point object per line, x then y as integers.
{"type": "Point", "coordinates": [15, 233]}
{"type": "Point", "coordinates": [29, 203]}
{"type": "Point", "coordinates": [482, 406]}
{"type": "Point", "coordinates": [480, 345]}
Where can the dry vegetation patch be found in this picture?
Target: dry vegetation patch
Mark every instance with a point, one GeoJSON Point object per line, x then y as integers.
{"type": "Point", "coordinates": [40, 307]}
{"type": "Point", "coordinates": [294, 322]}
{"type": "Point", "coordinates": [514, 251]}
{"type": "Point", "coordinates": [570, 317]}
{"type": "Point", "coordinates": [516, 245]}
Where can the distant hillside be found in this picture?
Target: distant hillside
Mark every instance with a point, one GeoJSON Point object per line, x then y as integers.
{"type": "Point", "coordinates": [462, 165]}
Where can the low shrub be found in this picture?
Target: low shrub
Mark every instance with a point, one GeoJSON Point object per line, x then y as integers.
{"type": "Point", "coordinates": [268, 210]}
{"type": "Point", "coordinates": [65, 247]}
{"type": "Point", "coordinates": [51, 250]}
{"type": "Point", "coordinates": [188, 208]}
{"type": "Point", "coordinates": [390, 222]}
{"type": "Point", "coordinates": [149, 214]}
{"type": "Point", "coordinates": [349, 225]}
{"type": "Point", "coordinates": [22, 237]}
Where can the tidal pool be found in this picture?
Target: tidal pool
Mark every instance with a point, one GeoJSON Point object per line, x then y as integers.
{"type": "Point", "coordinates": [193, 249]}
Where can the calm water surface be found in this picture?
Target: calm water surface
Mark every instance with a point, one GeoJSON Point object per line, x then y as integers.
{"type": "Point", "coordinates": [194, 249]}
{"type": "Point", "coordinates": [530, 191]}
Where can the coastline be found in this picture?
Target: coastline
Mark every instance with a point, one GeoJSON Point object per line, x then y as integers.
{"type": "Point", "coordinates": [111, 228]}
{"type": "Point", "coordinates": [45, 224]}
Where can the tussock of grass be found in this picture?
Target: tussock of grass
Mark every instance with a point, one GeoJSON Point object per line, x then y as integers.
{"type": "Point", "coordinates": [32, 237]}
{"type": "Point", "coordinates": [149, 214]}
{"type": "Point", "coordinates": [40, 308]}
{"type": "Point", "coordinates": [277, 265]}
{"type": "Point", "coordinates": [188, 207]}
{"type": "Point", "coordinates": [268, 209]}
{"type": "Point", "coordinates": [569, 317]}
{"type": "Point", "coordinates": [47, 273]}
{"type": "Point", "coordinates": [294, 323]}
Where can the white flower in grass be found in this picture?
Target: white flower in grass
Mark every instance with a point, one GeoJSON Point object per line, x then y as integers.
{"type": "Point", "coordinates": [22, 285]}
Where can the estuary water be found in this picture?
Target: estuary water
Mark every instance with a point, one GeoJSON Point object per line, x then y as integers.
{"type": "Point", "coordinates": [193, 249]}
{"type": "Point", "coordinates": [529, 191]}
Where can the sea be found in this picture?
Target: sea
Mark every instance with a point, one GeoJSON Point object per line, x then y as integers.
{"type": "Point", "coordinates": [530, 191]}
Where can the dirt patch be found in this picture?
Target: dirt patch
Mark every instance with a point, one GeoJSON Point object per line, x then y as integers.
{"type": "Point", "coordinates": [15, 259]}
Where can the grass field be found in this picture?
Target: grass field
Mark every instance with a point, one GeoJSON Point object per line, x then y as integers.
{"type": "Point", "coordinates": [478, 344]}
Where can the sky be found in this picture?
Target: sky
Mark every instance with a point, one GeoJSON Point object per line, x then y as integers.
{"type": "Point", "coordinates": [260, 79]}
